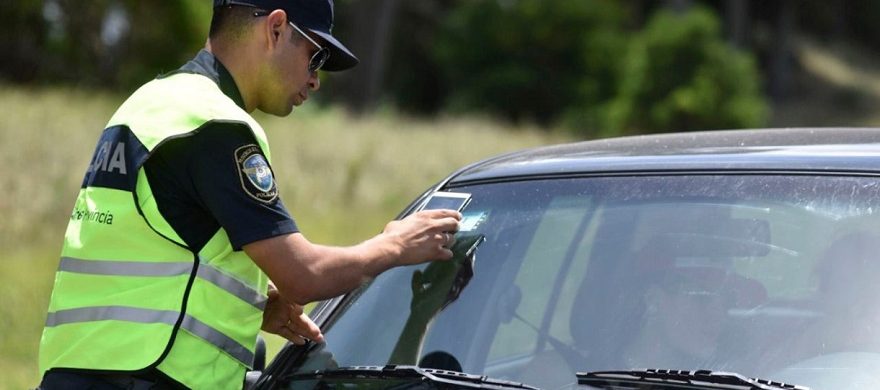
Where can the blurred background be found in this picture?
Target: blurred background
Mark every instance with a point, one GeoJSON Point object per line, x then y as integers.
{"type": "Point", "coordinates": [441, 83]}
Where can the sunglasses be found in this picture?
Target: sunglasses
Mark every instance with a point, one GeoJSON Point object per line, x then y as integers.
{"type": "Point", "coordinates": [319, 58]}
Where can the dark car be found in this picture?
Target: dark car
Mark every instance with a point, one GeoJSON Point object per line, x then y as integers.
{"type": "Point", "coordinates": [730, 259]}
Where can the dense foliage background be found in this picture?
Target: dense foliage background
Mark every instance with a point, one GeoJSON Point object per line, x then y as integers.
{"type": "Point", "coordinates": [595, 67]}
{"type": "Point", "coordinates": [502, 74]}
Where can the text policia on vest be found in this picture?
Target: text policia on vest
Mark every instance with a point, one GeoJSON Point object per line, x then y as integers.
{"type": "Point", "coordinates": [105, 217]}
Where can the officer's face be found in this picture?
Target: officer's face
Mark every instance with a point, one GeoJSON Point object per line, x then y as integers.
{"type": "Point", "coordinates": [289, 79]}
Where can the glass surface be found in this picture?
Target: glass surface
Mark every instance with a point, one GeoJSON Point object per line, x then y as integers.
{"type": "Point", "coordinates": [772, 277]}
{"type": "Point", "coordinates": [441, 201]}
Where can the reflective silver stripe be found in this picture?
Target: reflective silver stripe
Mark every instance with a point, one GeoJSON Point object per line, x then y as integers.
{"type": "Point", "coordinates": [137, 268]}
{"type": "Point", "coordinates": [220, 340]}
{"type": "Point", "coordinates": [121, 313]}
{"type": "Point", "coordinates": [124, 268]}
{"type": "Point", "coordinates": [232, 286]}
{"type": "Point", "coordinates": [148, 316]}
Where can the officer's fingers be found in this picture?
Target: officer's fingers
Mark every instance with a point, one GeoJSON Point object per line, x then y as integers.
{"type": "Point", "coordinates": [440, 214]}
{"type": "Point", "coordinates": [444, 225]}
{"type": "Point", "coordinates": [296, 310]}
{"type": "Point", "coordinates": [293, 337]}
{"type": "Point", "coordinates": [274, 319]}
{"type": "Point", "coordinates": [444, 254]}
{"type": "Point", "coordinates": [444, 239]}
{"type": "Point", "coordinates": [440, 248]}
{"type": "Point", "coordinates": [435, 232]}
{"type": "Point", "coordinates": [304, 326]}
{"type": "Point", "coordinates": [278, 325]}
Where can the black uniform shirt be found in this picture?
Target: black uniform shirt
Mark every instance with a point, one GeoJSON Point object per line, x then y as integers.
{"type": "Point", "coordinates": [200, 185]}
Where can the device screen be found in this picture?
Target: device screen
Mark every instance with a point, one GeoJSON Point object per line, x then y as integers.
{"type": "Point", "coordinates": [447, 200]}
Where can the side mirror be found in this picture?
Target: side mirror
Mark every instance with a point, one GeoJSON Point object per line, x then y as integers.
{"type": "Point", "coordinates": [251, 377]}
{"type": "Point", "coordinates": [260, 354]}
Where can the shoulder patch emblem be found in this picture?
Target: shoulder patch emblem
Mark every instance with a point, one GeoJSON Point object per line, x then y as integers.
{"type": "Point", "coordinates": [255, 174]}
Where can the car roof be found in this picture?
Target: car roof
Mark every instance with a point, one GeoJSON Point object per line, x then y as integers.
{"type": "Point", "coordinates": [852, 150]}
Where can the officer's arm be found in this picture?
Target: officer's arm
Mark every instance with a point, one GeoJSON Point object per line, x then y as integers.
{"type": "Point", "coordinates": [305, 272]}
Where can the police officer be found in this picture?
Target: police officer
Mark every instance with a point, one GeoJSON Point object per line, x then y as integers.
{"type": "Point", "coordinates": [178, 228]}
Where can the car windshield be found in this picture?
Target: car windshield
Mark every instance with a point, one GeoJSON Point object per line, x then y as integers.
{"type": "Point", "coordinates": [769, 276]}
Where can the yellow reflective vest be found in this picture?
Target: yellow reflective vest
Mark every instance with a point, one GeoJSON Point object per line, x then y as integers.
{"type": "Point", "coordinates": [129, 294]}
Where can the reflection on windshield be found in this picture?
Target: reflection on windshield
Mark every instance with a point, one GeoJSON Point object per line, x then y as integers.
{"type": "Point", "coordinates": [767, 276]}
{"type": "Point", "coordinates": [671, 293]}
{"type": "Point", "coordinates": [432, 291]}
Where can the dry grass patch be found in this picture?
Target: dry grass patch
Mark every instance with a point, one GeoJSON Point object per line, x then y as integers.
{"type": "Point", "coordinates": [342, 177]}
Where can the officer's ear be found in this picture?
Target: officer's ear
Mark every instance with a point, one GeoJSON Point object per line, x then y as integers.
{"type": "Point", "coordinates": [274, 28]}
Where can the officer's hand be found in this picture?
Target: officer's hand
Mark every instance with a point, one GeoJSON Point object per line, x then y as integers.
{"type": "Point", "coordinates": [424, 236]}
{"type": "Point", "coordinates": [288, 320]}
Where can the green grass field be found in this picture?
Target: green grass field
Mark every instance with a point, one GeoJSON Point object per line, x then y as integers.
{"type": "Point", "coordinates": [342, 177]}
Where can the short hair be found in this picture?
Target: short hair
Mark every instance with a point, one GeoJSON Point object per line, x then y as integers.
{"type": "Point", "coordinates": [231, 22]}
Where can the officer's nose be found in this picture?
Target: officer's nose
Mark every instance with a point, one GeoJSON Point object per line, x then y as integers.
{"type": "Point", "coordinates": [314, 81]}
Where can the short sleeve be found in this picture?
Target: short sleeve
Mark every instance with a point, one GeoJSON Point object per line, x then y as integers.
{"type": "Point", "coordinates": [219, 177]}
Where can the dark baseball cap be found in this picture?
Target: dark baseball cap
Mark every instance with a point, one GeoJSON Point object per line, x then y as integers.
{"type": "Point", "coordinates": [312, 15]}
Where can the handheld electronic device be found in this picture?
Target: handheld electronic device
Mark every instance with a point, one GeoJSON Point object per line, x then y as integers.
{"type": "Point", "coordinates": [447, 200]}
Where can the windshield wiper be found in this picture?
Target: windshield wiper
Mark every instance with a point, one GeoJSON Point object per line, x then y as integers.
{"type": "Point", "coordinates": [675, 379]}
{"type": "Point", "coordinates": [402, 377]}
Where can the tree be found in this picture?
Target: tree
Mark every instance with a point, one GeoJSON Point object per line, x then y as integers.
{"type": "Point", "coordinates": [373, 20]}
{"type": "Point", "coordinates": [106, 43]}
{"type": "Point", "coordinates": [23, 31]}
{"type": "Point", "coordinates": [530, 59]}
{"type": "Point", "coordinates": [680, 75]}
